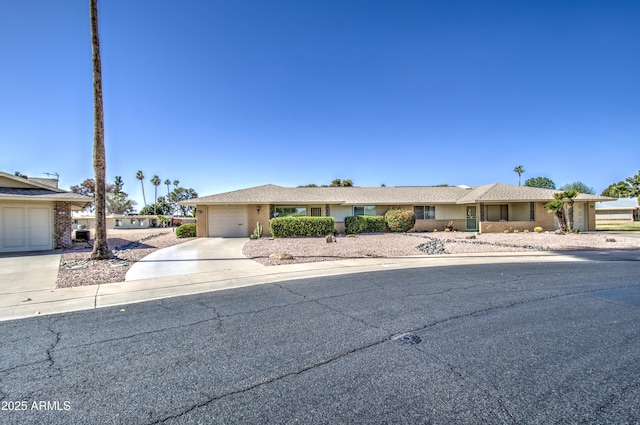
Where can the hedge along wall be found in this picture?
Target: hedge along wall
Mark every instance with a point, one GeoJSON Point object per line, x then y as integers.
{"type": "Point", "coordinates": [282, 227]}
{"type": "Point", "coordinates": [364, 224]}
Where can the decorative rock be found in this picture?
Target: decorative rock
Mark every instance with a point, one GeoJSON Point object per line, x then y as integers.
{"type": "Point", "coordinates": [330, 238]}
{"type": "Point", "coordinates": [470, 237]}
{"type": "Point", "coordinates": [610, 240]}
{"type": "Point", "coordinates": [281, 256]}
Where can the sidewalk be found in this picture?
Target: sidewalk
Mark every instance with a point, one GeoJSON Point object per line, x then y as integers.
{"type": "Point", "coordinates": [37, 302]}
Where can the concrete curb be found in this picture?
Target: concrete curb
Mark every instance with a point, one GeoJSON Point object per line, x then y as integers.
{"type": "Point", "coordinates": [60, 300]}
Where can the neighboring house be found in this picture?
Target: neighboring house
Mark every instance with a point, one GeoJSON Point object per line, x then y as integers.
{"type": "Point", "coordinates": [35, 214]}
{"type": "Point", "coordinates": [623, 209]}
{"type": "Point", "coordinates": [87, 221]}
{"type": "Point", "coordinates": [490, 208]}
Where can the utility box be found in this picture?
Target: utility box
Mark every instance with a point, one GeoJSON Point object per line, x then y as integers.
{"type": "Point", "coordinates": [82, 235]}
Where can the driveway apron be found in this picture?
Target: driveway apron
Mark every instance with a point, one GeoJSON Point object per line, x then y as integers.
{"type": "Point", "coordinates": [28, 271]}
{"type": "Point", "coordinates": [202, 255]}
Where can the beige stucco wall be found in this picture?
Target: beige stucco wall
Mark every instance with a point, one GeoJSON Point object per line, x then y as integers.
{"type": "Point", "coordinates": [439, 225]}
{"type": "Point", "coordinates": [201, 221]}
{"type": "Point", "coordinates": [262, 216]}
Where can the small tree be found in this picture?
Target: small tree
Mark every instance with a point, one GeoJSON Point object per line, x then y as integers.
{"type": "Point", "coordinates": [541, 182]}
{"type": "Point", "coordinates": [622, 189]}
{"type": "Point", "coordinates": [578, 187]}
{"type": "Point", "coordinates": [119, 203]}
{"type": "Point", "coordinates": [634, 182]}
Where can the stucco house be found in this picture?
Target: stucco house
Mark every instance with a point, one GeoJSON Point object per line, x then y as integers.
{"type": "Point", "coordinates": [87, 220]}
{"type": "Point", "coordinates": [623, 209]}
{"type": "Point", "coordinates": [489, 208]}
{"type": "Point", "coordinates": [35, 214]}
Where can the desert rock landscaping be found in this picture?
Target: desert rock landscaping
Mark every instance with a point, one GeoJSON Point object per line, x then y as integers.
{"type": "Point", "coordinates": [304, 250]}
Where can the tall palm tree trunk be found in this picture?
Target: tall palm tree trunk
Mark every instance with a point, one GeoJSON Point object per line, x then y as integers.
{"type": "Point", "coordinates": [100, 245]}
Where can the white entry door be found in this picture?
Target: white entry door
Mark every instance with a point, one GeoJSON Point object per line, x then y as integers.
{"type": "Point", "coordinates": [580, 216]}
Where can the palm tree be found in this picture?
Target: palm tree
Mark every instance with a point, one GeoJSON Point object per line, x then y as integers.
{"type": "Point", "coordinates": [140, 176]}
{"type": "Point", "coordinates": [519, 170]}
{"type": "Point", "coordinates": [176, 183]}
{"type": "Point", "coordinates": [557, 207]}
{"type": "Point", "coordinates": [155, 181]}
{"type": "Point", "coordinates": [100, 246]}
{"type": "Point", "coordinates": [168, 183]}
{"type": "Point", "coordinates": [568, 198]}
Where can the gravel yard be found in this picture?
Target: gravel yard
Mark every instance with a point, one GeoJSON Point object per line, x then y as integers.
{"type": "Point", "coordinates": [306, 250]}
{"type": "Point", "coordinates": [129, 246]}
{"type": "Point", "coordinates": [76, 269]}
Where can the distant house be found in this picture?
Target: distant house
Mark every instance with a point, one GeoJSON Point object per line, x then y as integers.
{"type": "Point", "coordinates": [623, 209]}
{"type": "Point", "coordinates": [84, 220]}
{"type": "Point", "coordinates": [88, 221]}
{"type": "Point", "coordinates": [35, 214]}
{"type": "Point", "coordinates": [487, 209]}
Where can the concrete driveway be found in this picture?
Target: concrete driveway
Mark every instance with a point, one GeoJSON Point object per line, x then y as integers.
{"type": "Point", "coordinates": [28, 271]}
{"type": "Point", "coordinates": [202, 255]}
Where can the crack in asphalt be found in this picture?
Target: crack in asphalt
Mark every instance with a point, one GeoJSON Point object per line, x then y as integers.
{"type": "Point", "coordinates": [57, 334]}
{"type": "Point", "coordinates": [271, 380]}
{"type": "Point", "coordinates": [340, 312]}
{"type": "Point", "coordinates": [374, 344]}
{"type": "Point", "coordinates": [613, 398]}
{"type": "Point", "coordinates": [470, 381]}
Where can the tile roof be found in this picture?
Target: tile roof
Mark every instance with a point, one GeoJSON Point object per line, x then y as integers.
{"type": "Point", "coordinates": [334, 195]}
{"type": "Point", "coordinates": [16, 194]}
{"type": "Point", "coordinates": [407, 195]}
{"type": "Point", "coordinates": [499, 192]}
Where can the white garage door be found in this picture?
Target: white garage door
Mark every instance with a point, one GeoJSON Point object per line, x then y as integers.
{"type": "Point", "coordinates": [228, 221]}
{"type": "Point", "coordinates": [25, 228]}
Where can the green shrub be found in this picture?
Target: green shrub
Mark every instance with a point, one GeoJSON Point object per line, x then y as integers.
{"type": "Point", "coordinates": [364, 224]}
{"type": "Point", "coordinates": [398, 220]}
{"type": "Point", "coordinates": [186, 231]}
{"type": "Point", "coordinates": [282, 227]}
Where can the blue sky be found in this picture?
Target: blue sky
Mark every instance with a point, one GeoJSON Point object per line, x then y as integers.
{"type": "Point", "coordinates": [223, 95]}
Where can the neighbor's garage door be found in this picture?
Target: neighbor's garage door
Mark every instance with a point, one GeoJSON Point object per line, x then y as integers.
{"type": "Point", "coordinates": [25, 228]}
{"type": "Point", "coordinates": [228, 221]}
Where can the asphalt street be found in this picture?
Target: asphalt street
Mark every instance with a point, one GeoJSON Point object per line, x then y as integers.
{"type": "Point", "coordinates": [512, 343]}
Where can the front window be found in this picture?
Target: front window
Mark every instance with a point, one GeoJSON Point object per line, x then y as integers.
{"type": "Point", "coordinates": [290, 211]}
{"type": "Point", "coordinates": [427, 212]}
{"type": "Point", "coordinates": [118, 223]}
{"type": "Point", "coordinates": [497, 212]}
{"type": "Point", "coordinates": [364, 210]}
{"type": "Point", "coordinates": [316, 212]}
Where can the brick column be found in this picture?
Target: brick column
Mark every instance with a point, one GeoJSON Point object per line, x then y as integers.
{"type": "Point", "coordinates": [62, 225]}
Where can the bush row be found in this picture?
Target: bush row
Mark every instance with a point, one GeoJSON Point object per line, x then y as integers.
{"type": "Point", "coordinates": [282, 227]}
{"type": "Point", "coordinates": [364, 224]}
